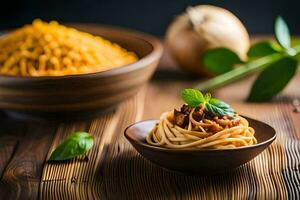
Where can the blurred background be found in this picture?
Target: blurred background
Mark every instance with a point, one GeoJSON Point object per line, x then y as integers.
{"type": "Point", "coordinates": [151, 16]}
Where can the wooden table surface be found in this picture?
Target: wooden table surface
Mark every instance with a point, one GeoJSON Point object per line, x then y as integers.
{"type": "Point", "coordinates": [114, 170]}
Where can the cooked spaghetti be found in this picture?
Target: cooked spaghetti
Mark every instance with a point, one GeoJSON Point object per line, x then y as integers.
{"type": "Point", "coordinates": [197, 128]}
{"type": "Point", "coordinates": [50, 49]}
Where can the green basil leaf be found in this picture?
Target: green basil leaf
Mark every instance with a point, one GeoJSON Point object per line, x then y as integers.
{"type": "Point", "coordinates": [282, 33]}
{"type": "Point", "coordinates": [263, 48]}
{"type": "Point", "coordinates": [192, 97]}
{"type": "Point", "coordinates": [220, 60]}
{"type": "Point", "coordinates": [219, 108]}
{"type": "Point", "coordinates": [76, 144]}
{"type": "Point", "coordinates": [273, 79]}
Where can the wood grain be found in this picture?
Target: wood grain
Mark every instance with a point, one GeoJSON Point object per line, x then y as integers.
{"type": "Point", "coordinates": [22, 174]}
{"type": "Point", "coordinates": [9, 140]}
{"type": "Point", "coordinates": [114, 170]}
{"type": "Point", "coordinates": [120, 173]}
{"type": "Point", "coordinates": [82, 179]}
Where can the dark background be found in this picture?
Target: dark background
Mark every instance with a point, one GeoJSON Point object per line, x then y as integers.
{"type": "Point", "coordinates": [151, 16]}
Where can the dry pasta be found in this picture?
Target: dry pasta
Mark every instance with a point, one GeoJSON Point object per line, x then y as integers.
{"type": "Point", "coordinates": [50, 49]}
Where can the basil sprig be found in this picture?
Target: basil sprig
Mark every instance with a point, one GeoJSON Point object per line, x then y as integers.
{"type": "Point", "coordinates": [226, 57]}
{"type": "Point", "coordinates": [76, 144]}
{"type": "Point", "coordinates": [215, 106]}
{"type": "Point", "coordinates": [276, 62]}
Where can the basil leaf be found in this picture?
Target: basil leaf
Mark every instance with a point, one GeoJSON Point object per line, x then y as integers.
{"type": "Point", "coordinates": [263, 48]}
{"type": "Point", "coordinates": [282, 33]}
{"type": "Point", "coordinates": [273, 79]}
{"type": "Point", "coordinates": [76, 144]}
{"type": "Point", "coordinates": [215, 106]}
{"type": "Point", "coordinates": [220, 60]}
{"type": "Point", "coordinates": [219, 108]}
{"type": "Point", "coordinates": [192, 97]}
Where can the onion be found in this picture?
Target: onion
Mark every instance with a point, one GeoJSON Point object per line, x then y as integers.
{"type": "Point", "coordinates": [201, 28]}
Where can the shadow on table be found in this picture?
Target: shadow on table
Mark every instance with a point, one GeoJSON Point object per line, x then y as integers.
{"type": "Point", "coordinates": [132, 177]}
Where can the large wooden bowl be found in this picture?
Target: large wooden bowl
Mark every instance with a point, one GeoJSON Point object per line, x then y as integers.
{"type": "Point", "coordinates": [76, 95]}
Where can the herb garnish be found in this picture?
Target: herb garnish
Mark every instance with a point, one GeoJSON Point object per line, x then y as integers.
{"type": "Point", "coordinates": [76, 144]}
{"type": "Point", "coordinates": [215, 106]}
{"type": "Point", "coordinates": [277, 62]}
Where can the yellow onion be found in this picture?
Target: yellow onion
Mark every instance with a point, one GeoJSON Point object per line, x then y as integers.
{"type": "Point", "coordinates": [201, 28]}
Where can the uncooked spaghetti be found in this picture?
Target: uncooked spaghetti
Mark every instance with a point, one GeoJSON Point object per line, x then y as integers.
{"type": "Point", "coordinates": [199, 128]}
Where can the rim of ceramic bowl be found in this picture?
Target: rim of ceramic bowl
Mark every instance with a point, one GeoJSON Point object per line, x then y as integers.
{"type": "Point", "coordinates": [163, 149]}
{"type": "Point", "coordinates": [157, 50]}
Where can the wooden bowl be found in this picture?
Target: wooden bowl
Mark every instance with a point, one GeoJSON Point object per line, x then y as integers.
{"type": "Point", "coordinates": [199, 161]}
{"type": "Point", "coordinates": [78, 95]}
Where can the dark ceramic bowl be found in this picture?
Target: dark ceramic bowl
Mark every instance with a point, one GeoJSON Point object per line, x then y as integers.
{"type": "Point", "coordinates": [76, 95]}
{"type": "Point", "coordinates": [206, 161]}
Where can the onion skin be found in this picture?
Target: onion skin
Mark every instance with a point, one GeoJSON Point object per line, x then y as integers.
{"type": "Point", "coordinates": [187, 42]}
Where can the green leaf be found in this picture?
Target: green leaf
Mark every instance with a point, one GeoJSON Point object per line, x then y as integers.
{"type": "Point", "coordinates": [219, 108]}
{"type": "Point", "coordinates": [215, 106]}
{"type": "Point", "coordinates": [76, 144]}
{"type": "Point", "coordinates": [263, 48]}
{"type": "Point", "coordinates": [282, 33]}
{"type": "Point", "coordinates": [273, 79]}
{"type": "Point", "coordinates": [192, 97]}
{"type": "Point", "coordinates": [220, 60]}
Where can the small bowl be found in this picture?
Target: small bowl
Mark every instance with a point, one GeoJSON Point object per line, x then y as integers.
{"type": "Point", "coordinates": [79, 95]}
{"type": "Point", "coordinates": [199, 161]}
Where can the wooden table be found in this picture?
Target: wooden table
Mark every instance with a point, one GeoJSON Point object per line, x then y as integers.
{"type": "Point", "coordinates": [114, 170]}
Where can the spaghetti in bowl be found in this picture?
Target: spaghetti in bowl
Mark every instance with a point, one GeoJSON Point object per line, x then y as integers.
{"type": "Point", "coordinates": [199, 139]}
{"type": "Point", "coordinates": [203, 161]}
{"type": "Point", "coordinates": [203, 122]}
